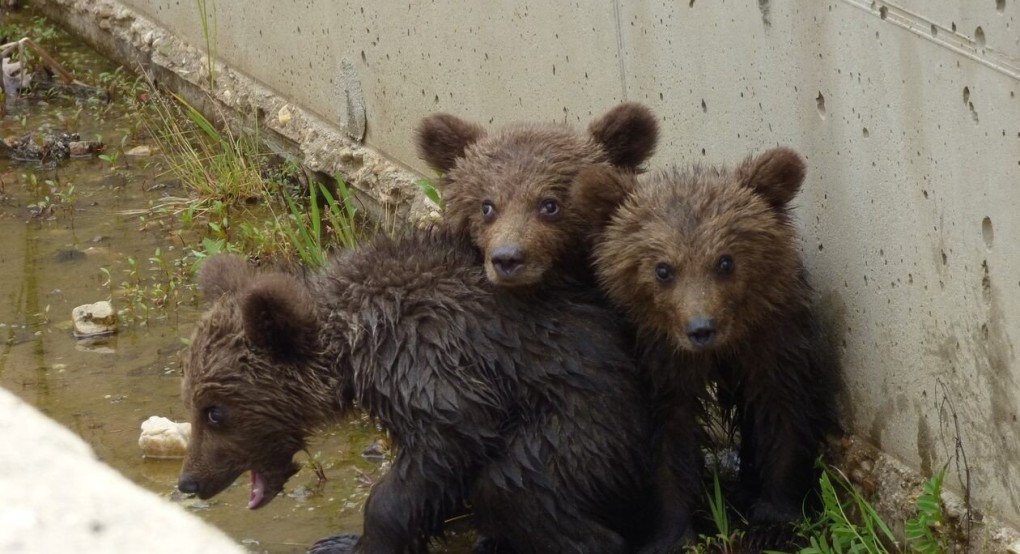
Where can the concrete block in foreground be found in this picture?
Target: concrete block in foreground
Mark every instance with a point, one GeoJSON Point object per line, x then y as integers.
{"type": "Point", "coordinates": [59, 498]}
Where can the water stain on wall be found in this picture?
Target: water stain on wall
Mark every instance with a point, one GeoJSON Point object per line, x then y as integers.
{"type": "Point", "coordinates": [925, 446]}
{"type": "Point", "coordinates": [765, 7]}
{"type": "Point", "coordinates": [884, 416]}
{"type": "Point", "coordinates": [999, 357]}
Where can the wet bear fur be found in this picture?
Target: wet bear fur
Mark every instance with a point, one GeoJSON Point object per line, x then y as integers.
{"type": "Point", "coordinates": [528, 412]}
{"type": "Point", "coordinates": [705, 262]}
{"type": "Point", "coordinates": [512, 189]}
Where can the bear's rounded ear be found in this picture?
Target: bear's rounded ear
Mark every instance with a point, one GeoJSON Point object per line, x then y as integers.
{"type": "Point", "coordinates": [222, 274]}
{"type": "Point", "coordinates": [597, 192]}
{"type": "Point", "coordinates": [442, 138]}
{"type": "Point", "coordinates": [278, 315]}
{"type": "Point", "coordinates": [775, 174]}
{"type": "Point", "coordinates": [628, 133]}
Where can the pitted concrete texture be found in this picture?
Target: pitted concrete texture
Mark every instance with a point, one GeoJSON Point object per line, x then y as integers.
{"type": "Point", "coordinates": [59, 498]}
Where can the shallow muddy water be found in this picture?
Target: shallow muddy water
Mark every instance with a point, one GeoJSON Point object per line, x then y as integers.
{"type": "Point", "coordinates": [63, 247]}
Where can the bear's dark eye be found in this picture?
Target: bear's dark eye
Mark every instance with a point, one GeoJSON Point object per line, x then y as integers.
{"type": "Point", "coordinates": [663, 272]}
{"type": "Point", "coordinates": [488, 210]}
{"type": "Point", "coordinates": [214, 416]}
{"type": "Point", "coordinates": [726, 265]}
{"type": "Point", "coordinates": [549, 208]}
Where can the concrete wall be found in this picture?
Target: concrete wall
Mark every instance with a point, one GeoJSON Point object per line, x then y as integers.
{"type": "Point", "coordinates": [908, 114]}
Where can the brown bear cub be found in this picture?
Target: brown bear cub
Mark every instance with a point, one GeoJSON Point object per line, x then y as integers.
{"type": "Point", "coordinates": [521, 195]}
{"type": "Point", "coordinates": [512, 190]}
{"type": "Point", "coordinates": [528, 414]}
{"type": "Point", "coordinates": [705, 262]}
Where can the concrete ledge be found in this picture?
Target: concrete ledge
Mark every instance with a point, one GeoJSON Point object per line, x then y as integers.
{"type": "Point", "coordinates": [59, 498]}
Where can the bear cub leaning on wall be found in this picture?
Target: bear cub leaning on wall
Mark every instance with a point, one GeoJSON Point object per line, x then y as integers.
{"type": "Point", "coordinates": [705, 262]}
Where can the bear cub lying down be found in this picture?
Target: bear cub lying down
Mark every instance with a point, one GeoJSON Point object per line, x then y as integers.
{"type": "Point", "coordinates": [528, 412]}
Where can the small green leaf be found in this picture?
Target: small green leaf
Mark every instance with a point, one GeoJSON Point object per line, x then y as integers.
{"type": "Point", "coordinates": [430, 191]}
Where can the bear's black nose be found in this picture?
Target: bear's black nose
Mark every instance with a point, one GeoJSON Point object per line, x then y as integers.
{"type": "Point", "coordinates": [187, 484]}
{"type": "Point", "coordinates": [701, 331]}
{"type": "Point", "coordinates": [507, 260]}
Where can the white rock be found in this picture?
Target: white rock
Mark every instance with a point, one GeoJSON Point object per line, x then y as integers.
{"type": "Point", "coordinates": [162, 438]}
{"type": "Point", "coordinates": [79, 148]}
{"type": "Point", "coordinates": [140, 151]}
{"type": "Point", "coordinates": [91, 320]}
{"type": "Point", "coordinates": [284, 116]}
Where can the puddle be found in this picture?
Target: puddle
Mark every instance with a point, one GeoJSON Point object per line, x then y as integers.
{"type": "Point", "coordinates": [63, 247]}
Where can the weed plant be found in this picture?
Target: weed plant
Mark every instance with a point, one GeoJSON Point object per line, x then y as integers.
{"type": "Point", "coordinates": [847, 524]}
{"type": "Point", "coordinates": [213, 164]}
{"type": "Point", "coordinates": [334, 223]}
{"type": "Point", "coordinates": [727, 537]}
{"type": "Point", "coordinates": [237, 201]}
{"type": "Point", "coordinates": [924, 533]}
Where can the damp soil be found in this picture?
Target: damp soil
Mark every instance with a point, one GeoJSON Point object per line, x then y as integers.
{"type": "Point", "coordinates": [63, 247]}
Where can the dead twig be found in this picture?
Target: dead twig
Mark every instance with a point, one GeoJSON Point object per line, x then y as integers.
{"type": "Point", "coordinates": [52, 63]}
{"type": "Point", "coordinates": [947, 410]}
{"type": "Point", "coordinates": [45, 56]}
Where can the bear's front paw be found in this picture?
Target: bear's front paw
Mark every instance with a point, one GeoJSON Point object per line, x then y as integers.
{"type": "Point", "coordinates": [335, 544]}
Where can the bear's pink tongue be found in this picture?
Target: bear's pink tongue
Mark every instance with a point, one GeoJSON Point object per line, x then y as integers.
{"type": "Point", "coordinates": [258, 490]}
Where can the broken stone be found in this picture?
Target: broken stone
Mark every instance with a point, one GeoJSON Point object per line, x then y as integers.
{"type": "Point", "coordinates": [92, 320]}
{"type": "Point", "coordinates": [140, 151]}
{"type": "Point", "coordinates": [80, 148]}
{"type": "Point", "coordinates": [163, 438]}
{"type": "Point", "coordinates": [104, 11]}
{"type": "Point", "coordinates": [284, 116]}
{"type": "Point", "coordinates": [48, 147]}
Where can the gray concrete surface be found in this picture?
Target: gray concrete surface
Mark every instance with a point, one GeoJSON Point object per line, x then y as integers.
{"type": "Point", "coordinates": [59, 498]}
{"type": "Point", "coordinates": [907, 112]}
